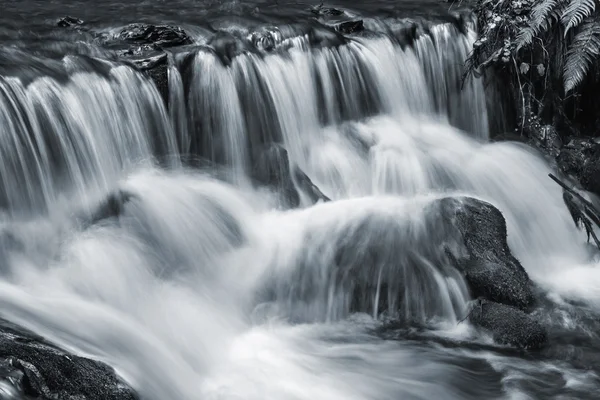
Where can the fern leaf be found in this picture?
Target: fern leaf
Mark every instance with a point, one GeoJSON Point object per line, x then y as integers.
{"type": "Point", "coordinates": [576, 11]}
{"type": "Point", "coordinates": [541, 18]}
{"type": "Point", "coordinates": [581, 54]}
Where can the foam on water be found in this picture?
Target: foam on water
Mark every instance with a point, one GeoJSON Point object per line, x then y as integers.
{"type": "Point", "coordinates": [201, 290]}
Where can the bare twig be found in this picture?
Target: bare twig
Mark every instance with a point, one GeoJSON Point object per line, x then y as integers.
{"type": "Point", "coordinates": [478, 303]}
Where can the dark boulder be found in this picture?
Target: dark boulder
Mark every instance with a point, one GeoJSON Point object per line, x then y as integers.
{"type": "Point", "coordinates": [308, 187]}
{"type": "Point", "coordinates": [321, 36]}
{"type": "Point", "coordinates": [32, 368]}
{"type": "Point", "coordinates": [349, 27]}
{"type": "Point", "coordinates": [271, 168]}
{"type": "Point", "coordinates": [68, 21]}
{"type": "Point", "coordinates": [162, 36]}
{"type": "Point", "coordinates": [580, 159]}
{"type": "Point", "coordinates": [112, 206]}
{"type": "Point", "coordinates": [488, 265]}
{"type": "Point", "coordinates": [153, 64]}
{"type": "Point", "coordinates": [227, 46]}
{"type": "Point", "coordinates": [508, 325]}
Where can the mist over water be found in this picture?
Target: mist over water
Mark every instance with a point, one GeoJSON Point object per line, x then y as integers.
{"type": "Point", "coordinates": [209, 288]}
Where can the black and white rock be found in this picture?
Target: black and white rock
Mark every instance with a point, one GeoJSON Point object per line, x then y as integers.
{"type": "Point", "coordinates": [68, 22]}
{"type": "Point", "coordinates": [32, 368]}
{"type": "Point", "coordinates": [489, 267]}
{"type": "Point", "coordinates": [162, 36]}
{"type": "Point", "coordinates": [350, 27]}
{"type": "Point", "coordinates": [272, 169]}
{"type": "Point", "coordinates": [508, 325]}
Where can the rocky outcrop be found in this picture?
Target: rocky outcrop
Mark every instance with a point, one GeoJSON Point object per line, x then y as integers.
{"type": "Point", "coordinates": [493, 274]}
{"type": "Point", "coordinates": [488, 265]}
{"type": "Point", "coordinates": [508, 325]}
{"type": "Point", "coordinates": [32, 368]}
{"type": "Point", "coordinates": [160, 36]}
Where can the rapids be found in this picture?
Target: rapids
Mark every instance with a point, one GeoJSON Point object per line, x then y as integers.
{"type": "Point", "coordinates": [205, 287]}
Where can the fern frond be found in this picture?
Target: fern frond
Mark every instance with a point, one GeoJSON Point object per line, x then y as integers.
{"type": "Point", "coordinates": [576, 11]}
{"type": "Point", "coordinates": [542, 16]}
{"type": "Point", "coordinates": [584, 49]}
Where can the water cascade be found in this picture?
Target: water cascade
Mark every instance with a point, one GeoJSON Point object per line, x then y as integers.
{"type": "Point", "coordinates": [204, 288]}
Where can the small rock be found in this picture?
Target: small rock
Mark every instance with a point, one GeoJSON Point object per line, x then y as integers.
{"type": "Point", "coordinates": [326, 11]}
{"type": "Point", "coordinates": [68, 21]}
{"type": "Point", "coordinates": [508, 325]}
{"type": "Point", "coordinates": [349, 27]}
{"type": "Point", "coordinates": [272, 169]}
{"type": "Point", "coordinates": [159, 35]}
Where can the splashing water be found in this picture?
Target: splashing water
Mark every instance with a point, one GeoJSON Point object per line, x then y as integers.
{"type": "Point", "coordinates": [201, 290]}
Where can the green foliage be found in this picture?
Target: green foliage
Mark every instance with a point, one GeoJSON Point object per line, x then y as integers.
{"type": "Point", "coordinates": [515, 30]}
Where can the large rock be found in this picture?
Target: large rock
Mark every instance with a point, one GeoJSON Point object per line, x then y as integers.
{"type": "Point", "coordinates": [487, 263]}
{"type": "Point", "coordinates": [32, 368]}
{"type": "Point", "coordinates": [508, 325]}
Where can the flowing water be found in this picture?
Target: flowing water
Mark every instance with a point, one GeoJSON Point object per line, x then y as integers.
{"type": "Point", "coordinates": [206, 286]}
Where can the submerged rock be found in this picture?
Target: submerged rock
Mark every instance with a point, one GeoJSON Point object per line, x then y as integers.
{"type": "Point", "coordinates": [509, 325]}
{"type": "Point", "coordinates": [311, 190]}
{"type": "Point", "coordinates": [227, 46]}
{"type": "Point", "coordinates": [488, 265]}
{"type": "Point", "coordinates": [272, 169]}
{"type": "Point", "coordinates": [69, 21]}
{"type": "Point", "coordinates": [111, 207]}
{"type": "Point", "coordinates": [32, 368]}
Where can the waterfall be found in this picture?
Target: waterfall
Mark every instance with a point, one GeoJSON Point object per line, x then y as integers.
{"type": "Point", "coordinates": [256, 99]}
{"type": "Point", "coordinates": [74, 136]}
{"type": "Point", "coordinates": [199, 287]}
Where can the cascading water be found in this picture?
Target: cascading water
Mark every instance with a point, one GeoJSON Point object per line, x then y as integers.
{"type": "Point", "coordinates": [201, 289]}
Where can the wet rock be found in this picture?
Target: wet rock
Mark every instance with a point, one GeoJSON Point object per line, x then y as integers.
{"type": "Point", "coordinates": [227, 47]}
{"type": "Point", "coordinates": [509, 325]}
{"type": "Point", "coordinates": [68, 21]}
{"type": "Point", "coordinates": [349, 27]}
{"type": "Point", "coordinates": [488, 264]}
{"type": "Point", "coordinates": [162, 36]}
{"type": "Point", "coordinates": [272, 169]}
{"type": "Point", "coordinates": [154, 64]}
{"type": "Point", "coordinates": [111, 207]}
{"type": "Point", "coordinates": [322, 10]}
{"type": "Point", "coordinates": [320, 36]}
{"type": "Point", "coordinates": [308, 187]}
{"type": "Point", "coordinates": [30, 367]}
{"type": "Point", "coordinates": [580, 159]}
